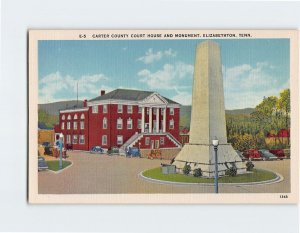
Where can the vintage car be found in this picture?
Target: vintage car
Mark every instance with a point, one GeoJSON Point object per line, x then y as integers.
{"type": "Point", "coordinates": [97, 150]}
{"type": "Point", "coordinates": [267, 155]}
{"type": "Point", "coordinates": [42, 165]}
{"type": "Point", "coordinates": [252, 154]}
{"type": "Point", "coordinates": [133, 152]}
{"type": "Point", "coordinates": [279, 153]}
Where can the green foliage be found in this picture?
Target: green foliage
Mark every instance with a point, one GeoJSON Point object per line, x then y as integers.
{"type": "Point", "coordinates": [46, 119]}
{"type": "Point", "coordinates": [249, 166]}
{"type": "Point", "coordinates": [243, 142]}
{"type": "Point", "coordinates": [255, 176]}
{"type": "Point", "coordinates": [197, 172]}
{"type": "Point", "coordinates": [186, 169]}
{"type": "Point", "coordinates": [232, 171]}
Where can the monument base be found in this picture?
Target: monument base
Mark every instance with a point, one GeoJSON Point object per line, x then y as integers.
{"type": "Point", "coordinates": [203, 156]}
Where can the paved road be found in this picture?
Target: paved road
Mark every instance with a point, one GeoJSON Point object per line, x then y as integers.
{"type": "Point", "coordinates": [91, 173]}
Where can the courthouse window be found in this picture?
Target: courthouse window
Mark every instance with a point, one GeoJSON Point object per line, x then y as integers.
{"type": "Point", "coordinates": [129, 123]}
{"type": "Point", "coordinates": [104, 123]}
{"type": "Point", "coordinates": [75, 139]}
{"type": "Point", "coordinates": [105, 108]}
{"type": "Point", "coordinates": [119, 123]}
{"type": "Point", "coordinates": [95, 109]}
{"type": "Point", "coordinates": [104, 139]}
{"type": "Point", "coordinates": [81, 139]}
{"type": "Point", "coordinates": [120, 108]}
{"type": "Point", "coordinates": [120, 140]}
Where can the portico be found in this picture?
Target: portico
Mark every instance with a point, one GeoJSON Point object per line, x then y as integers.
{"type": "Point", "coordinates": [155, 108]}
{"type": "Point", "coordinates": [154, 123]}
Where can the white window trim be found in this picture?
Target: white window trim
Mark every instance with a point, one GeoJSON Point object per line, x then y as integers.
{"type": "Point", "coordinates": [95, 109]}
{"type": "Point", "coordinates": [139, 123]}
{"type": "Point", "coordinates": [104, 121]}
{"type": "Point", "coordinates": [104, 143]}
{"type": "Point", "coordinates": [62, 125]}
{"type": "Point", "coordinates": [121, 120]}
{"type": "Point", "coordinates": [162, 141]}
{"type": "Point", "coordinates": [69, 117]}
{"type": "Point", "coordinates": [120, 110]}
{"type": "Point", "coordinates": [82, 116]}
{"type": "Point", "coordinates": [80, 137]}
{"type": "Point", "coordinates": [119, 136]}
{"type": "Point", "coordinates": [171, 124]}
{"type": "Point", "coordinates": [63, 117]}
{"type": "Point", "coordinates": [74, 138]}
{"type": "Point", "coordinates": [75, 124]}
{"type": "Point", "coordinates": [104, 108]}
{"type": "Point", "coordinates": [75, 117]}
{"type": "Point", "coordinates": [128, 120]}
{"type": "Point", "coordinates": [172, 111]}
{"type": "Point", "coordinates": [68, 139]}
{"type": "Point", "coordinates": [68, 125]}
{"type": "Point", "coordinates": [81, 124]}
{"type": "Point", "coordinates": [147, 141]}
{"type": "Point", "coordinates": [131, 109]}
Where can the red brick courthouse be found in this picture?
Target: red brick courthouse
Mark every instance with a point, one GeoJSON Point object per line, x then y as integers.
{"type": "Point", "coordinates": [122, 118]}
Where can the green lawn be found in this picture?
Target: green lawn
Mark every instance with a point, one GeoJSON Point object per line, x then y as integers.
{"type": "Point", "coordinates": [54, 164]}
{"type": "Point", "coordinates": [255, 176]}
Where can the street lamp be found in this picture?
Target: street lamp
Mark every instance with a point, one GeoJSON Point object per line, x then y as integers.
{"type": "Point", "coordinates": [61, 136]}
{"type": "Point", "coordinates": [215, 143]}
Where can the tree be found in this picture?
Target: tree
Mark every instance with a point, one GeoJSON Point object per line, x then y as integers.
{"type": "Point", "coordinates": [284, 105]}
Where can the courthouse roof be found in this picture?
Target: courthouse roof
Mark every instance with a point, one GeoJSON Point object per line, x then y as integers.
{"type": "Point", "coordinates": [127, 94]}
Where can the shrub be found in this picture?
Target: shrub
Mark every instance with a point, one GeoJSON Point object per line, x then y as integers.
{"type": "Point", "coordinates": [249, 166]}
{"type": "Point", "coordinates": [231, 171]}
{"type": "Point", "coordinates": [186, 169]}
{"type": "Point", "coordinates": [198, 172]}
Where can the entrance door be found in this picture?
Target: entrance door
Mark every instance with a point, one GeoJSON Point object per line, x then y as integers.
{"type": "Point", "coordinates": [156, 144]}
{"type": "Point", "coordinates": [152, 144]}
{"type": "Point", "coordinates": [146, 127]}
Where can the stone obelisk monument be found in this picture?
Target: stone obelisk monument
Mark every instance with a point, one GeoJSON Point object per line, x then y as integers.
{"type": "Point", "coordinates": [208, 117]}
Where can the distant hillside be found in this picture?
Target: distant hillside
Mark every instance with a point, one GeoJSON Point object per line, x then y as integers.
{"type": "Point", "coordinates": [50, 112]}
{"type": "Point", "coordinates": [245, 111]}
{"type": "Point", "coordinates": [185, 114]}
{"type": "Point", "coordinates": [53, 108]}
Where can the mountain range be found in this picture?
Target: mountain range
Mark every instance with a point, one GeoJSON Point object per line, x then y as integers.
{"type": "Point", "coordinates": [52, 109]}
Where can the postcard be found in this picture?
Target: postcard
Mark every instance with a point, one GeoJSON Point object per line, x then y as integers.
{"type": "Point", "coordinates": [163, 116]}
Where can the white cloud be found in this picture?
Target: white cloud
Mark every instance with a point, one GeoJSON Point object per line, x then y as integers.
{"type": "Point", "coordinates": [166, 78]}
{"type": "Point", "coordinates": [184, 98]}
{"type": "Point", "coordinates": [246, 85]}
{"type": "Point", "coordinates": [53, 87]}
{"type": "Point", "coordinates": [151, 56]}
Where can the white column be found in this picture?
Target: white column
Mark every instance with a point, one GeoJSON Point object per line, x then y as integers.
{"type": "Point", "coordinates": [157, 120]}
{"type": "Point", "coordinates": [164, 120]}
{"type": "Point", "coordinates": [143, 119]}
{"type": "Point", "coordinates": [150, 120]}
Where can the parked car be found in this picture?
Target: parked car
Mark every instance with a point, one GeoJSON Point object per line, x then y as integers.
{"type": "Point", "coordinates": [97, 150]}
{"type": "Point", "coordinates": [113, 150]}
{"type": "Point", "coordinates": [42, 165]}
{"type": "Point", "coordinates": [240, 154]}
{"type": "Point", "coordinates": [133, 152]}
{"type": "Point", "coordinates": [279, 153]}
{"type": "Point", "coordinates": [252, 154]}
{"type": "Point", "coordinates": [267, 155]}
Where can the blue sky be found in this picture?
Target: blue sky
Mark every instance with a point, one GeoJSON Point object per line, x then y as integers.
{"type": "Point", "coordinates": [252, 68]}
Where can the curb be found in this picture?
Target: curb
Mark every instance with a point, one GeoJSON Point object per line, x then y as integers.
{"type": "Point", "coordinates": [278, 179]}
